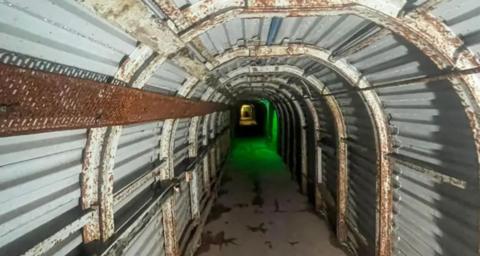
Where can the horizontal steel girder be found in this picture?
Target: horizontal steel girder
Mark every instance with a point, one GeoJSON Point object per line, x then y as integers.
{"type": "Point", "coordinates": [33, 102]}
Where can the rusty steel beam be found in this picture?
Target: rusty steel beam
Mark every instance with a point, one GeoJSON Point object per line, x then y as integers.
{"type": "Point", "coordinates": [169, 224]}
{"type": "Point", "coordinates": [193, 137]}
{"type": "Point", "coordinates": [34, 101]}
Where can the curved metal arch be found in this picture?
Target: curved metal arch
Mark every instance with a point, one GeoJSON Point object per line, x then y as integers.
{"type": "Point", "coordinates": [353, 77]}
{"type": "Point", "coordinates": [303, 124]}
{"type": "Point", "coordinates": [276, 85]}
{"type": "Point", "coordinates": [283, 112]}
{"type": "Point", "coordinates": [209, 95]}
{"type": "Point", "coordinates": [286, 115]}
{"type": "Point", "coordinates": [339, 65]}
{"type": "Point", "coordinates": [340, 125]}
{"type": "Point", "coordinates": [285, 93]}
{"type": "Point", "coordinates": [283, 82]}
{"type": "Point", "coordinates": [193, 129]}
{"type": "Point", "coordinates": [424, 30]}
{"type": "Point", "coordinates": [209, 122]}
{"type": "Point", "coordinates": [201, 19]}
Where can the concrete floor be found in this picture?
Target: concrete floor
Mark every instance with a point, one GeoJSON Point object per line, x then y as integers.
{"type": "Point", "coordinates": [260, 211]}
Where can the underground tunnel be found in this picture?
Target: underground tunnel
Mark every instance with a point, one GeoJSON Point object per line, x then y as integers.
{"type": "Point", "coordinates": [240, 127]}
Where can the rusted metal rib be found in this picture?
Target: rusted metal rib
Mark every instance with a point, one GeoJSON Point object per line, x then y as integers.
{"type": "Point", "coordinates": [33, 101]}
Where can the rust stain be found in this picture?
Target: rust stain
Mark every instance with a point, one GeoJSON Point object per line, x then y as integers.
{"type": "Point", "coordinates": [208, 239]}
{"type": "Point", "coordinates": [260, 228]}
{"type": "Point", "coordinates": [293, 243]}
{"type": "Point", "coordinates": [257, 199]}
{"type": "Point", "coordinates": [277, 207]}
{"type": "Point", "coordinates": [269, 244]}
{"type": "Point", "coordinates": [257, 211]}
{"type": "Point", "coordinates": [133, 16]}
{"type": "Point", "coordinates": [91, 232]}
{"type": "Point", "coordinates": [217, 211]}
{"type": "Point", "coordinates": [240, 205]}
{"type": "Point", "coordinates": [169, 224]}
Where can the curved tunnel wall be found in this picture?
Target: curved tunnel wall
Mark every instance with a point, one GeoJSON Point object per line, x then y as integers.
{"type": "Point", "coordinates": [399, 155]}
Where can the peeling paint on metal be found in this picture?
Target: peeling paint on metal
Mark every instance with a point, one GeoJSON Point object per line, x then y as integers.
{"type": "Point", "coordinates": [134, 18]}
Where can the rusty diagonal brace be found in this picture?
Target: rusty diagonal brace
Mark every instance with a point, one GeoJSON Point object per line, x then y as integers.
{"type": "Point", "coordinates": [33, 102]}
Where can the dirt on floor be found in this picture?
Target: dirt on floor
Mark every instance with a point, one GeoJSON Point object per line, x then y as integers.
{"type": "Point", "coordinates": [261, 212]}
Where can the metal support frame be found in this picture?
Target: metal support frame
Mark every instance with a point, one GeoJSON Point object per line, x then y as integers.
{"type": "Point", "coordinates": [422, 29]}
{"type": "Point", "coordinates": [98, 160]}
{"type": "Point", "coordinates": [301, 114]}
{"type": "Point", "coordinates": [340, 125]}
{"type": "Point", "coordinates": [350, 74]}
{"type": "Point", "coordinates": [286, 95]}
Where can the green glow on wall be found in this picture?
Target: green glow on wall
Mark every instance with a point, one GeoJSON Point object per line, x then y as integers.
{"type": "Point", "coordinates": [274, 128]}
{"type": "Point", "coordinates": [271, 123]}
{"type": "Point", "coordinates": [256, 156]}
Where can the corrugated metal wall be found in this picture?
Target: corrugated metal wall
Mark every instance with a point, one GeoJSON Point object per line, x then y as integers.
{"type": "Point", "coordinates": [181, 145]}
{"type": "Point", "coordinates": [329, 161]}
{"type": "Point", "coordinates": [39, 184]}
{"type": "Point", "coordinates": [136, 157]}
{"type": "Point", "coordinates": [167, 79]}
{"type": "Point", "coordinates": [362, 168]}
{"type": "Point", "coordinates": [418, 116]}
{"type": "Point", "coordinates": [40, 190]}
{"type": "Point", "coordinates": [47, 30]}
{"type": "Point", "coordinates": [150, 241]}
{"type": "Point", "coordinates": [40, 187]}
{"type": "Point", "coordinates": [183, 214]}
{"type": "Point", "coordinates": [435, 170]}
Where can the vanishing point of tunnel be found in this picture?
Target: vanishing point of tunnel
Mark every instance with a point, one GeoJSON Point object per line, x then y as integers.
{"type": "Point", "coordinates": [240, 127]}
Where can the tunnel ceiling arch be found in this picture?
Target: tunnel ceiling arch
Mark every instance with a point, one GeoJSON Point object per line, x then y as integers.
{"type": "Point", "coordinates": [390, 88]}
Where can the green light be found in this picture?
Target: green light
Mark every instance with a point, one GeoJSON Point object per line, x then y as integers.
{"type": "Point", "coordinates": [253, 156]}
{"type": "Point", "coordinates": [271, 123]}
{"type": "Point", "coordinates": [274, 128]}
